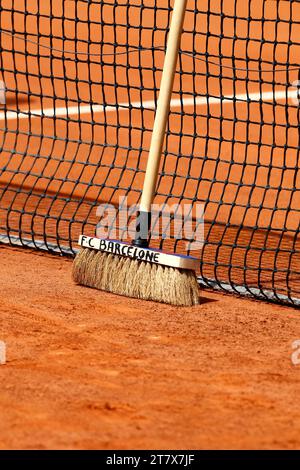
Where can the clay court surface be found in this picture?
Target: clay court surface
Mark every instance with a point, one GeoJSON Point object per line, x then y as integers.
{"type": "Point", "coordinates": [91, 370]}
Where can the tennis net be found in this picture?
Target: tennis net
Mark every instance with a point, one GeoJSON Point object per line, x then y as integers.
{"type": "Point", "coordinates": [82, 80]}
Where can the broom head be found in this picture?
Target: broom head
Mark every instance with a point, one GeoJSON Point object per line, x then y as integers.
{"type": "Point", "coordinates": [143, 273]}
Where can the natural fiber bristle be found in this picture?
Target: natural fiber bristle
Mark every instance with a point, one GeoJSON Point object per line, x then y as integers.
{"type": "Point", "coordinates": [132, 278]}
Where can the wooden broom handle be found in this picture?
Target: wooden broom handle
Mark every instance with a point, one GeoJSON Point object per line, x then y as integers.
{"type": "Point", "coordinates": [163, 105]}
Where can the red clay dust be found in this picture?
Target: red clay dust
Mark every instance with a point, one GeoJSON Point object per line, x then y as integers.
{"type": "Point", "coordinates": [91, 370]}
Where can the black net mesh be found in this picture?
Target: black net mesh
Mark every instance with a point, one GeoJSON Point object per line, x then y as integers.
{"type": "Point", "coordinates": [82, 80]}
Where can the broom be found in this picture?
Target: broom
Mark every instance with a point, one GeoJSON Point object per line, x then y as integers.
{"type": "Point", "coordinates": [136, 270]}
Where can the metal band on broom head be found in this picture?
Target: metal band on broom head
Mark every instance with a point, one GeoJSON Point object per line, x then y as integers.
{"type": "Point", "coordinates": [136, 270]}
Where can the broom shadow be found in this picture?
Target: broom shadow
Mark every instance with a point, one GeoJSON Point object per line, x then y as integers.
{"type": "Point", "coordinates": [206, 300]}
